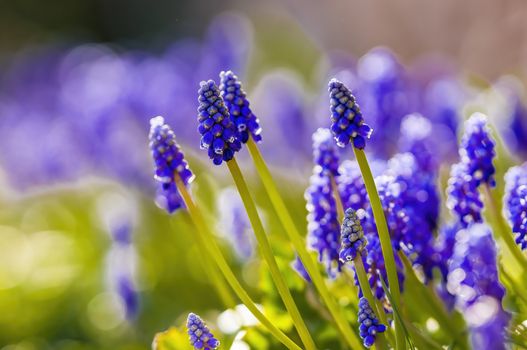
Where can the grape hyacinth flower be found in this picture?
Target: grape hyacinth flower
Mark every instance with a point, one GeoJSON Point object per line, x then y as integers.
{"type": "Point", "coordinates": [477, 150]}
{"type": "Point", "coordinates": [169, 161]}
{"type": "Point", "coordinates": [351, 237]}
{"type": "Point", "coordinates": [323, 225]}
{"type": "Point", "coordinates": [473, 278]}
{"type": "Point", "coordinates": [351, 186]}
{"type": "Point", "coordinates": [463, 197]}
{"type": "Point", "coordinates": [299, 267]}
{"type": "Point", "coordinates": [369, 324]}
{"type": "Point", "coordinates": [516, 202]}
{"type": "Point", "coordinates": [347, 123]}
{"type": "Point", "coordinates": [325, 152]}
{"type": "Point", "coordinates": [200, 335]}
{"type": "Point", "coordinates": [417, 138]}
{"type": "Point", "coordinates": [239, 109]}
{"type": "Point", "coordinates": [218, 133]}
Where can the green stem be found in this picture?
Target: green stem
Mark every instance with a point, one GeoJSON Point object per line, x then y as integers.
{"type": "Point", "coordinates": [384, 237]}
{"type": "Point", "coordinates": [504, 230]}
{"type": "Point", "coordinates": [519, 290]}
{"type": "Point", "coordinates": [384, 320]}
{"type": "Point", "coordinates": [212, 274]}
{"type": "Point", "coordinates": [298, 242]}
{"type": "Point", "coordinates": [267, 253]}
{"type": "Point", "coordinates": [338, 199]}
{"type": "Point", "coordinates": [366, 291]}
{"type": "Point", "coordinates": [212, 248]}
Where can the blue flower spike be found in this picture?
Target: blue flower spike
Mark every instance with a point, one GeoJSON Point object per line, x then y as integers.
{"type": "Point", "coordinates": [516, 202]}
{"type": "Point", "coordinates": [325, 152]}
{"type": "Point", "coordinates": [241, 114]}
{"type": "Point", "coordinates": [351, 237]}
{"type": "Point", "coordinates": [463, 198]}
{"type": "Point", "coordinates": [369, 325]}
{"type": "Point", "coordinates": [477, 150]}
{"type": "Point", "coordinates": [347, 123]}
{"type": "Point", "coordinates": [218, 133]}
{"type": "Point", "coordinates": [200, 336]}
{"type": "Point", "coordinates": [168, 161]}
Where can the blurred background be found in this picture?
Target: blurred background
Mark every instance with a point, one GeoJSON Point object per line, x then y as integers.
{"type": "Point", "coordinates": [88, 258]}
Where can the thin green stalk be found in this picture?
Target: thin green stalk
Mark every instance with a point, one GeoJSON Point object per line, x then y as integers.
{"type": "Point", "coordinates": [504, 231]}
{"type": "Point", "coordinates": [212, 248]}
{"type": "Point", "coordinates": [519, 290]}
{"type": "Point", "coordinates": [366, 291]}
{"type": "Point", "coordinates": [212, 275]}
{"type": "Point", "coordinates": [298, 243]}
{"type": "Point", "coordinates": [338, 199]}
{"type": "Point", "coordinates": [384, 320]}
{"type": "Point", "coordinates": [267, 253]}
{"type": "Point", "coordinates": [384, 237]}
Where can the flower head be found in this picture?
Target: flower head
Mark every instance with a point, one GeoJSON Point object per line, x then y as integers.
{"type": "Point", "coordinates": [351, 186]}
{"type": "Point", "coordinates": [352, 241]}
{"type": "Point", "coordinates": [236, 101]}
{"type": "Point", "coordinates": [200, 336]}
{"type": "Point", "coordinates": [463, 197]}
{"type": "Point", "coordinates": [323, 225]}
{"type": "Point", "coordinates": [477, 150]}
{"type": "Point", "coordinates": [169, 162]}
{"type": "Point", "coordinates": [325, 152]}
{"type": "Point", "coordinates": [218, 133]}
{"type": "Point", "coordinates": [369, 324]}
{"type": "Point", "coordinates": [347, 123]}
{"type": "Point", "coordinates": [516, 202]}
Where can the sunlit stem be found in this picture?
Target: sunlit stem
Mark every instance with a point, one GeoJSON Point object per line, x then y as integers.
{"type": "Point", "coordinates": [359, 265]}
{"type": "Point", "coordinates": [212, 274]}
{"type": "Point", "coordinates": [504, 231]}
{"type": "Point", "coordinates": [384, 238]}
{"type": "Point", "coordinates": [266, 252]}
{"type": "Point", "coordinates": [212, 248]}
{"type": "Point", "coordinates": [299, 244]}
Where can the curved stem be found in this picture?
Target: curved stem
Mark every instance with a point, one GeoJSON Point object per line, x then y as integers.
{"type": "Point", "coordinates": [384, 237]}
{"type": "Point", "coordinates": [212, 274]}
{"type": "Point", "coordinates": [212, 248]}
{"type": "Point", "coordinates": [267, 253]}
{"type": "Point", "coordinates": [504, 230]}
{"type": "Point", "coordinates": [299, 244]}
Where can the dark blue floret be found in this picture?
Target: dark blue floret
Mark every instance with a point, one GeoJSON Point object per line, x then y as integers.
{"type": "Point", "coordinates": [463, 198]}
{"type": "Point", "coordinates": [169, 161]}
{"type": "Point", "coordinates": [352, 241]}
{"type": "Point", "coordinates": [299, 267]}
{"type": "Point", "coordinates": [477, 150]}
{"type": "Point", "coordinates": [516, 202]}
{"type": "Point", "coordinates": [323, 225]}
{"type": "Point", "coordinates": [239, 109]}
{"type": "Point", "coordinates": [218, 133]}
{"type": "Point", "coordinates": [369, 325]}
{"type": "Point", "coordinates": [200, 336]}
{"type": "Point", "coordinates": [347, 123]}
{"type": "Point", "coordinates": [325, 152]}
{"type": "Point", "coordinates": [128, 294]}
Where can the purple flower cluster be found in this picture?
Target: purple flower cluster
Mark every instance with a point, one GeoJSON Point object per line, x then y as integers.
{"type": "Point", "coordinates": [352, 241]}
{"type": "Point", "coordinates": [463, 198]}
{"type": "Point", "coordinates": [369, 325]}
{"type": "Point", "coordinates": [241, 114]}
{"type": "Point", "coordinates": [516, 202]}
{"type": "Point", "coordinates": [473, 278]}
{"type": "Point", "coordinates": [199, 334]}
{"type": "Point", "coordinates": [323, 225]}
{"type": "Point", "coordinates": [351, 186]}
{"type": "Point", "coordinates": [347, 123]}
{"type": "Point", "coordinates": [325, 152]}
{"type": "Point", "coordinates": [169, 162]}
{"type": "Point", "coordinates": [477, 150]}
{"type": "Point", "coordinates": [219, 135]}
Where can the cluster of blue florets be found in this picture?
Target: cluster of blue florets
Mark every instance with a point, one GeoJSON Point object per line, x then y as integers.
{"type": "Point", "coordinates": [477, 150]}
{"type": "Point", "coordinates": [351, 186]}
{"type": "Point", "coordinates": [218, 133]}
{"type": "Point", "coordinates": [463, 196]}
{"type": "Point", "coordinates": [516, 202]}
{"type": "Point", "coordinates": [352, 241]}
{"type": "Point", "coordinates": [369, 325]}
{"type": "Point", "coordinates": [169, 163]}
{"type": "Point", "coordinates": [347, 123]}
{"type": "Point", "coordinates": [241, 114]}
{"type": "Point", "coordinates": [325, 152]}
{"type": "Point", "coordinates": [200, 336]}
{"type": "Point", "coordinates": [323, 225]}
